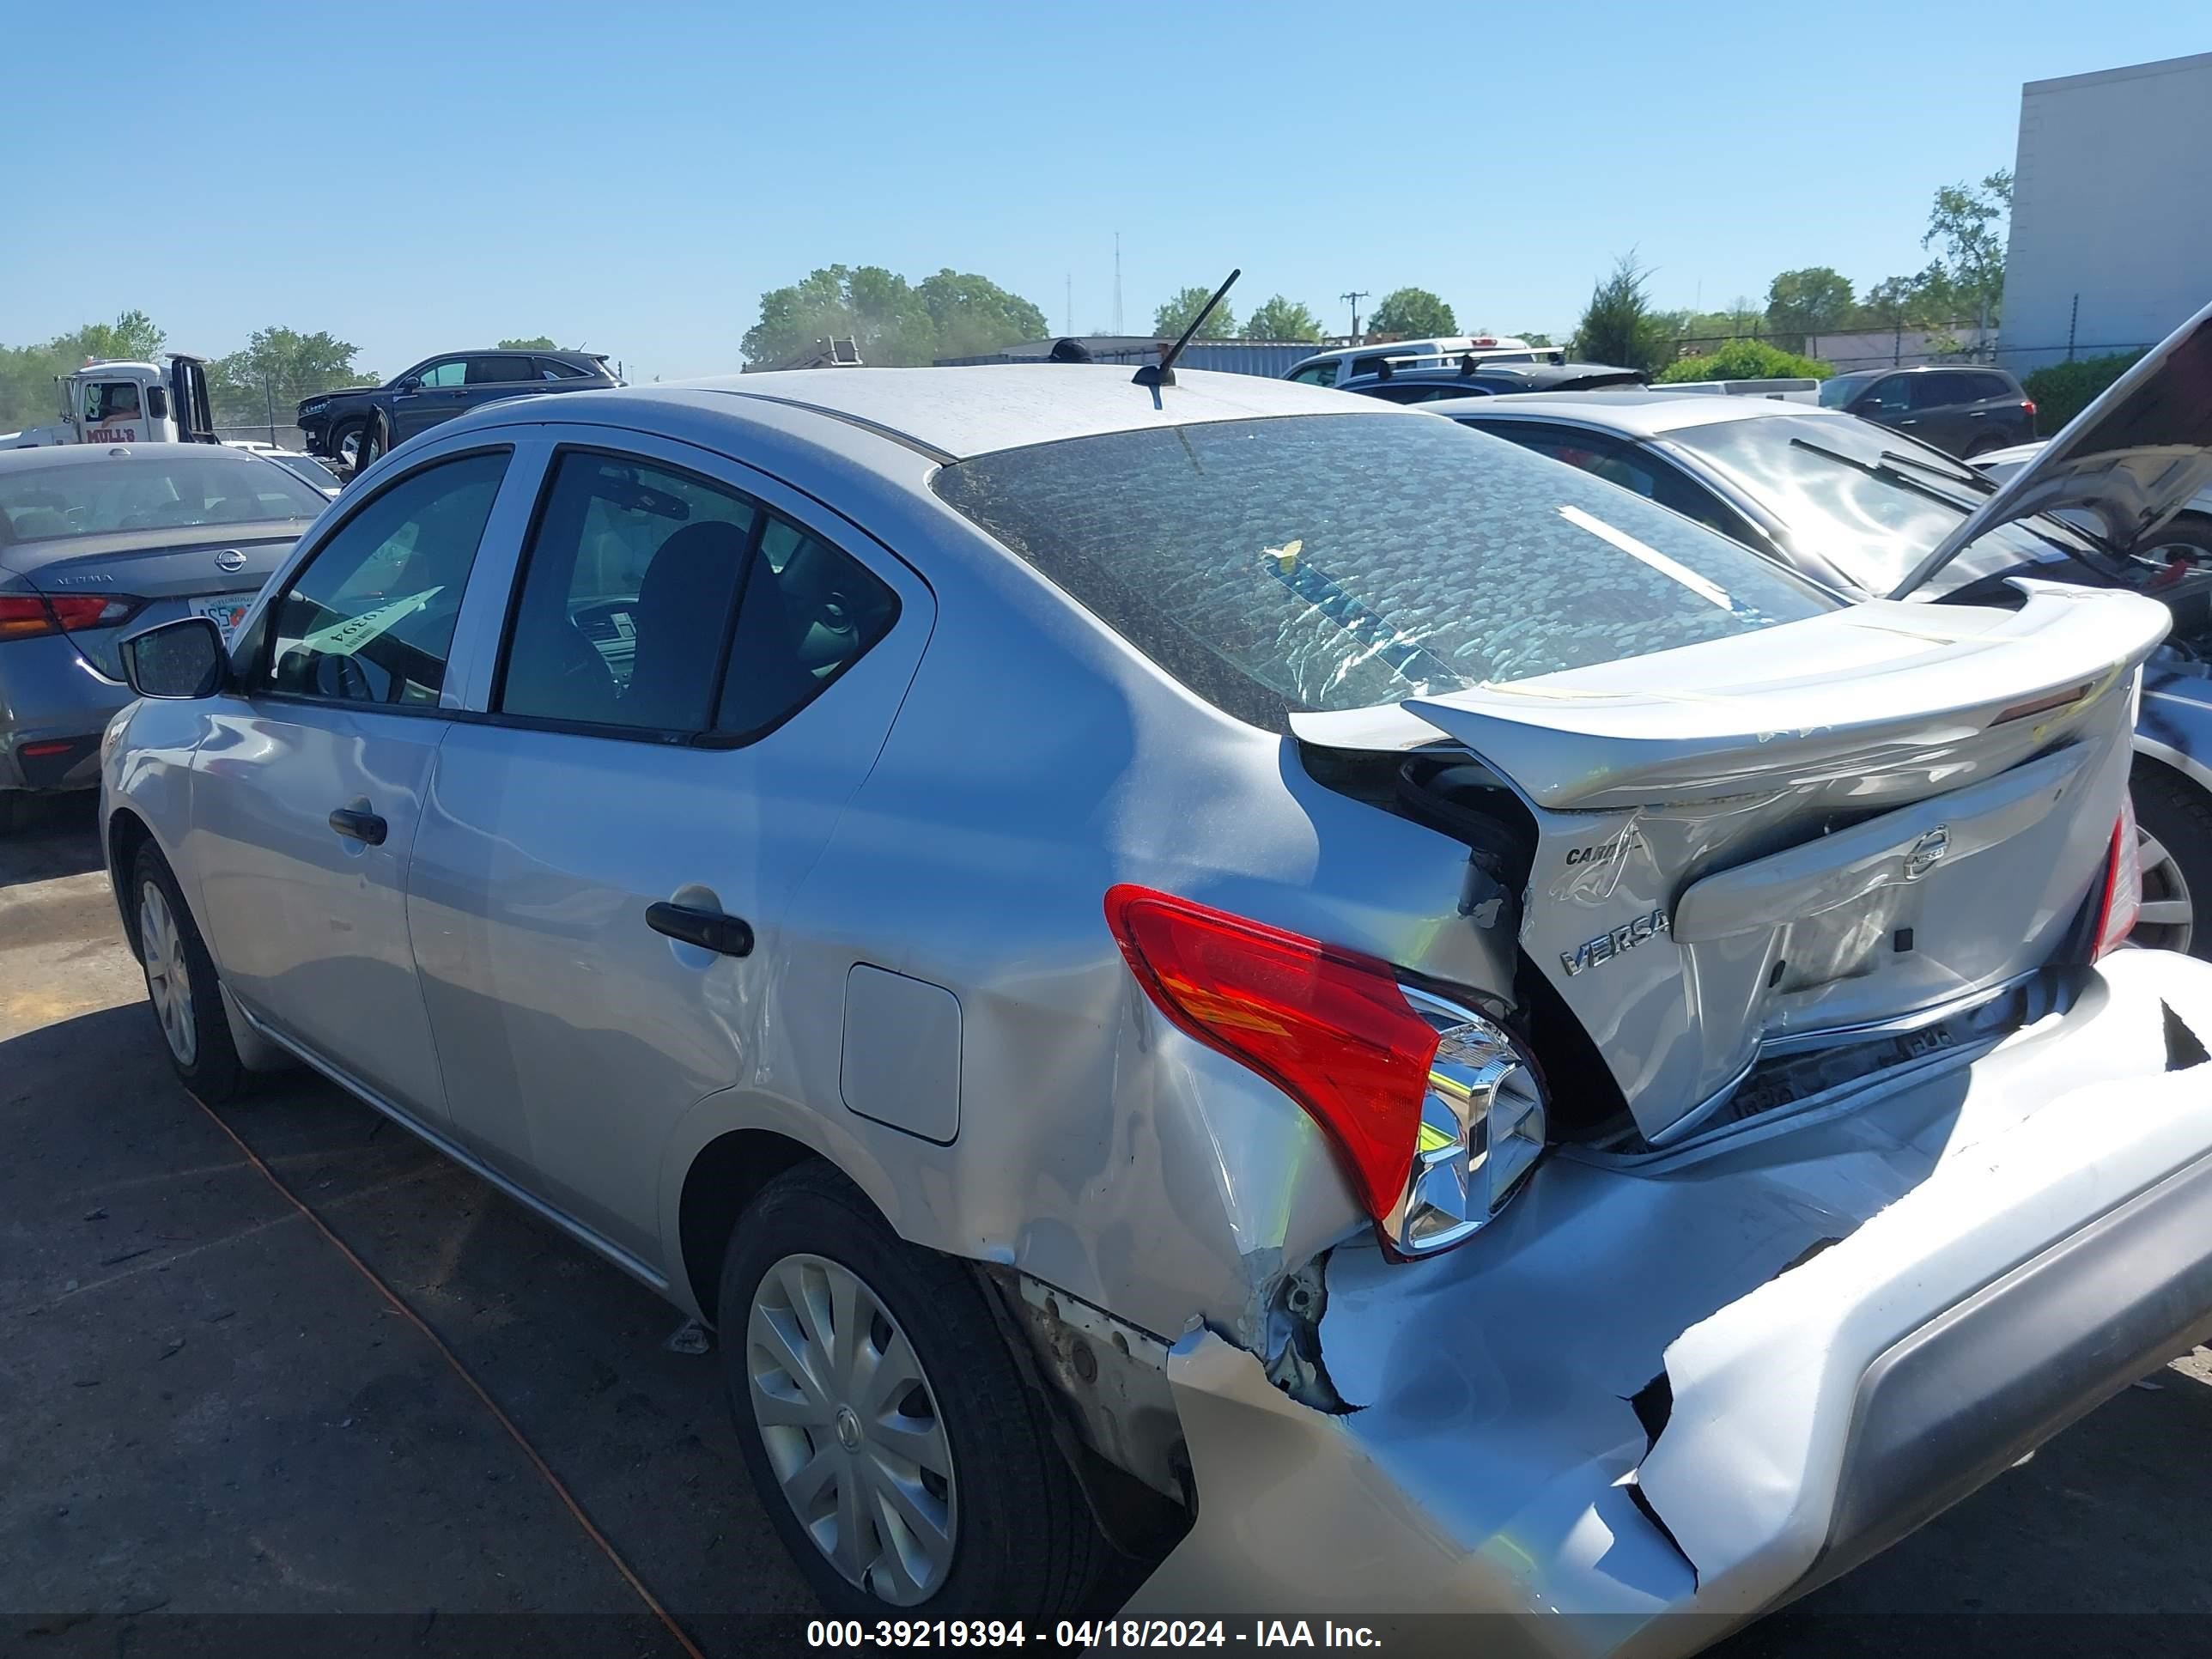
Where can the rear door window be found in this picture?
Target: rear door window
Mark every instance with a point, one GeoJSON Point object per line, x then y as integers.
{"type": "Point", "coordinates": [499, 371]}
{"type": "Point", "coordinates": [1343, 560]}
{"type": "Point", "coordinates": [624, 618]}
{"type": "Point", "coordinates": [1941, 390]}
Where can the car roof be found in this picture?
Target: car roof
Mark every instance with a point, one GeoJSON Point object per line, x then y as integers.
{"type": "Point", "coordinates": [1644, 412]}
{"type": "Point", "coordinates": [111, 454]}
{"type": "Point", "coordinates": [1919, 368]}
{"type": "Point", "coordinates": [951, 413]}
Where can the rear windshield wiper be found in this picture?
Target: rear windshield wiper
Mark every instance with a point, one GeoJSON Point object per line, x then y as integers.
{"type": "Point", "coordinates": [1886, 473]}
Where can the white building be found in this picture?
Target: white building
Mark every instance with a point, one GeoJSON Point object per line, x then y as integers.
{"type": "Point", "coordinates": [2111, 212]}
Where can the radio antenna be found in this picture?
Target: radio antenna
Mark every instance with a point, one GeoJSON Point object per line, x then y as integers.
{"type": "Point", "coordinates": [1163, 372]}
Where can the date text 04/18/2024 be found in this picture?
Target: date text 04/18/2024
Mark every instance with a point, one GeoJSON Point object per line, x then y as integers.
{"type": "Point", "coordinates": [1081, 1633]}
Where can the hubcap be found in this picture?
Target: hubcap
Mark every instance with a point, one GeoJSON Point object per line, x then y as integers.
{"type": "Point", "coordinates": [2167, 921]}
{"type": "Point", "coordinates": [852, 1430]}
{"type": "Point", "coordinates": [168, 982]}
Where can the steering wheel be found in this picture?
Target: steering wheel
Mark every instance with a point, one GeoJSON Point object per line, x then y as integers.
{"type": "Point", "coordinates": [342, 677]}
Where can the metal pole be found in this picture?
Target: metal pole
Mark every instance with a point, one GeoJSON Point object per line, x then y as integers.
{"type": "Point", "coordinates": [269, 408]}
{"type": "Point", "coordinates": [1353, 299]}
{"type": "Point", "coordinates": [2073, 316]}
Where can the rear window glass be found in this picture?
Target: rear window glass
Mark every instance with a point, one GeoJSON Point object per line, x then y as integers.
{"type": "Point", "coordinates": [199, 485]}
{"type": "Point", "coordinates": [1337, 561]}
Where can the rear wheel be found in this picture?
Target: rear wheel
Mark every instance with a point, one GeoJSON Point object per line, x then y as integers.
{"type": "Point", "coordinates": [2173, 825]}
{"type": "Point", "coordinates": [180, 983]}
{"type": "Point", "coordinates": [14, 810]}
{"type": "Point", "coordinates": [900, 1457]}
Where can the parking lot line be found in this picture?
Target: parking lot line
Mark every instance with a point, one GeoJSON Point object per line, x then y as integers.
{"type": "Point", "coordinates": [545, 1470]}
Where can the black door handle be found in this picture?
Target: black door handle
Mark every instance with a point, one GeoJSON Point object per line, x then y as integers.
{"type": "Point", "coordinates": [357, 825]}
{"type": "Point", "coordinates": [710, 930]}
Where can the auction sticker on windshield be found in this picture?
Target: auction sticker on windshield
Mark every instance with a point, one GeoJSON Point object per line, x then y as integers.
{"type": "Point", "coordinates": [226, 612]}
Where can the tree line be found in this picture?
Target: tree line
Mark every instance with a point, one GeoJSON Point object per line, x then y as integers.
{"type": "Point", "coordinates": [1963, 283]}
{"type": "Point", "coordinates": [258, 385]}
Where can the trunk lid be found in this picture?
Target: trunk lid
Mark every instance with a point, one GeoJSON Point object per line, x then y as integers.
{"type": "Point", "coordinates": [169, 569]}
{"type": "Point", "coordinates": [1819, 833]}
{"type": "Point", "coordinates": [2129, 462]}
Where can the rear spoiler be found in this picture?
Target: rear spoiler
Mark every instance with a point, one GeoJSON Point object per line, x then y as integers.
{"type": "Point", "coordinates": [1830, 696]}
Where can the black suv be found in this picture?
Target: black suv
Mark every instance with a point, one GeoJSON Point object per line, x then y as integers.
{"type": "Point", "coordinates": [357, 425]}
{"type": "Point", "coordinates": [1965, 408]}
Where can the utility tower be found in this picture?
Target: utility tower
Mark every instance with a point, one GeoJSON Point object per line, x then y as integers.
{"type": "Point", "coordinates": [1352, 300]}
{"type": "Point", "coordinates": [1117, 282]}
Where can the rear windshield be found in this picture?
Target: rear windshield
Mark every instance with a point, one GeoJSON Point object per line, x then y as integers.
{"type": "Point", "coordinates": [1341, 561]}
{"type": "Point", "coordinates": [199, 485]}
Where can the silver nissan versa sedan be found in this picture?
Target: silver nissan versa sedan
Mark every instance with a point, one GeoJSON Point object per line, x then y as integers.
{"type": "Point", "coordinates": [1219, 967]}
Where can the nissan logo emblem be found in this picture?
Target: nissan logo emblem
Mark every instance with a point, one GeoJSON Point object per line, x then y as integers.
{"type": "Point", "coordinates": [1931, 850]}
{"type": "Point", "coordinates": [230, 559]}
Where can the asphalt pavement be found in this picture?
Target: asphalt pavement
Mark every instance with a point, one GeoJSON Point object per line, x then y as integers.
{"type": "Point", "coordinates": [213, 1425]}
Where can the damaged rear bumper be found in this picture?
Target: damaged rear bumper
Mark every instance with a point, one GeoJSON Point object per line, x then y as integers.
{"type": "Point", "coordinates": [1661, 1396]}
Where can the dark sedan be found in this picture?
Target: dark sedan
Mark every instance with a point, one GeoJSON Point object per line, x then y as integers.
{"type": "Point", "coordinates": [95, 539]}
{"type": "Point", "coordinates": [357, 424]}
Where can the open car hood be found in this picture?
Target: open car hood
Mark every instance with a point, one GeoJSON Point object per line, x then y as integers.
{"type": "Point", "coordinates": [2129, 461]}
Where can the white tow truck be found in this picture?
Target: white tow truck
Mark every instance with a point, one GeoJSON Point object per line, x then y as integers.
{"type": "Point", "coordinates": [128, 402]}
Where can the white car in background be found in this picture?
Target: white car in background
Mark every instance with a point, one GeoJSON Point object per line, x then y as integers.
{"type": "Point", "coordinates": [306, 468]}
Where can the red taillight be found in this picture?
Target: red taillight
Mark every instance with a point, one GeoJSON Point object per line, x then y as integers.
{"type": "Point", "coordinates": [2123, 900]}
{"type": "Point", "coordinates": [1328, 1027]}
{"type": "Point", "coordinates": [2027, 405]}
{"type": "Point", "coordinates": [22, 616]}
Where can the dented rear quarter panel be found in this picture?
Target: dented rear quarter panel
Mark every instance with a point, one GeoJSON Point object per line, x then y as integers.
{"type": "Point", "coordinates": [1487, 1463]}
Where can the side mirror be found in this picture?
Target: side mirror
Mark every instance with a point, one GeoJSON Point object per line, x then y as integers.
{"type": "Point", "coordinates": [157, 403]}
{"type": "Point", "coordinates": [179, 659]}
{"type": "Point", "coordinates": [408, 383]}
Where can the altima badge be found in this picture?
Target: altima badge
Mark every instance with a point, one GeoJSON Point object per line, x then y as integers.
{"type": "Point", "coordinates": [230, 559]}
{"type": "Point", "coordinates": [1606, 947]}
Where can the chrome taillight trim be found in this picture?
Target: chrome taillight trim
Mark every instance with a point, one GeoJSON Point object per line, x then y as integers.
{"type": "Point", "coordinates": [1482, 1124]}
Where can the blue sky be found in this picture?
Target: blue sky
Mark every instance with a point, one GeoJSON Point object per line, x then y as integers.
{"type": "Point", "coordinates": [419, 177]}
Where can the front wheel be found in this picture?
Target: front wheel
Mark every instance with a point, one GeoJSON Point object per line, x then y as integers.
{"type": "Point", "coordinates": [901, 1458]}
{"type": "Point", "coordinates": [180, 983]}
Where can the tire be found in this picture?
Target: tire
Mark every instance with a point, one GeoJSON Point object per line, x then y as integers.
{"type": "Point", "coordinates": [2174, 819]}
{"type": "Point", "coordinates": [1013, 1535]}
{"type": "Point", "coordinates": [2187, 536]}
{"type": "Point", "coordinates": [181, 983]}
{"type": "Point", "coordinates": [354, 431]}
{"type": "Point", "coordinates": [14, 810]}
